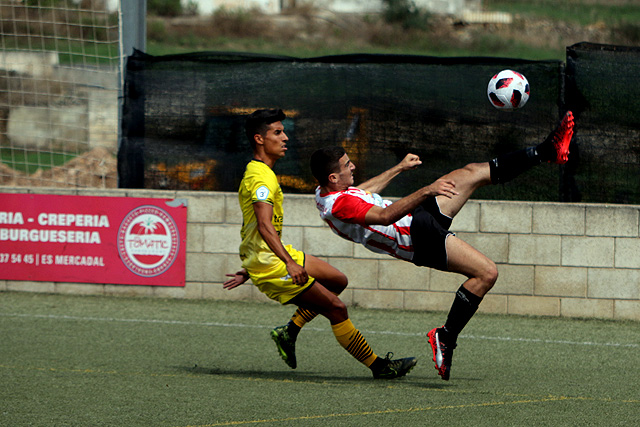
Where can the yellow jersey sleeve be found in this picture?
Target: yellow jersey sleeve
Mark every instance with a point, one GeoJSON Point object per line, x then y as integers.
{"type": "Point", "coordinates": [262, 185]}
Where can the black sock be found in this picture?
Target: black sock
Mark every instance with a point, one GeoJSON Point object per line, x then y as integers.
{"type": "Point", "coordinates": [462, 310]}
{"type": "Point", "coordinates": [546, 149]}
{"type": "Point", "coordinates": [293, 329]}
{"type": "Point", "coordinates": [378, 364]}
{"type": "Point", "coordinates": [506, 167]}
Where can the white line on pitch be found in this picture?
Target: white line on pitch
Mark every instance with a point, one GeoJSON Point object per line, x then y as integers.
{"type": "Point", "coordinates": [308, 328]}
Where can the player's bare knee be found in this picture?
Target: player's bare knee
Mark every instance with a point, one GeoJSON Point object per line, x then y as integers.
{"type": "Point", "coordinates": [343, 282]}
{"type": "Point", "coordinates": [337, 284]}
{"type": "Point", "coordinates": [486, 276]}
{"type": "Point", "coordinates": [489, 275]}
{"type": "Point", "coordinates": [479, 172]}
{"type": "Point", "coordinates": [339, 309]}
{"type": "Point", "coordinates": [471, 168]}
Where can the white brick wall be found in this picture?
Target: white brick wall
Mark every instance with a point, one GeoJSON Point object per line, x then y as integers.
{"type": "Point", "coordinates": [574, 260]}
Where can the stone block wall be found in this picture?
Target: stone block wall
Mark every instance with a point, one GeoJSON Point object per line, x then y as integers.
{"type": "Point", "coordinates": [569, 260]}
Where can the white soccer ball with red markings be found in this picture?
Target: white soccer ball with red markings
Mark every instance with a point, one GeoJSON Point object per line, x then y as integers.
{"type": "Point", "coordinates": [508, 90]}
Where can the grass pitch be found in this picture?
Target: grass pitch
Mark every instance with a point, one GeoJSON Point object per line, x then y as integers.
{"type": "Point", "coordinates": [103, 361]}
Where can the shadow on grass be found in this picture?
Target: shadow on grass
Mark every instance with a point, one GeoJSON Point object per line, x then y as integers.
{"type": "Point", "coordinates": [290, 376]}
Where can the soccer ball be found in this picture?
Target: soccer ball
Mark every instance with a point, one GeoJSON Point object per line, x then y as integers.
{"type": "Point", "coordinates": [508, 90]}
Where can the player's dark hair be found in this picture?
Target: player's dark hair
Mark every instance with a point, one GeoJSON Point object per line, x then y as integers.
{"type": "Point", "coordinates": [326, 161]}
{"type": "Point", "coordinates": [257, 123]}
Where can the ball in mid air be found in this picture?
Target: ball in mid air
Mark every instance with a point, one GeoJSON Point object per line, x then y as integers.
{"type": "Point", "coordinates": [508, 90]}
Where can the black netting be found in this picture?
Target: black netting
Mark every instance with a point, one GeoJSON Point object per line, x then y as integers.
{"type": "Point", "coordinates": [183, 119]}
{"type": "Point", "coordinates": [603, 88]}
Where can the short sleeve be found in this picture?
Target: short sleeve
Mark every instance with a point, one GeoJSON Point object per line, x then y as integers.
{"type": "Point", "coordinates": [262, 189]}
{"type": "Point", "coordinates": [350, 209]}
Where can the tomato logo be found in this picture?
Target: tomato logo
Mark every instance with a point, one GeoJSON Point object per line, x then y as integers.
{"type": "Point", "coordinates": [148, 241]}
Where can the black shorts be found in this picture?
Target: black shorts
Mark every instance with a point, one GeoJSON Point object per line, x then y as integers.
{"type": "Point", "coordinates": [429, 231]}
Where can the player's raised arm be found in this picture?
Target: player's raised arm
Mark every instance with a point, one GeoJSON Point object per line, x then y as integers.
{"type": "Point", "coordinates": [380, 182]}
{"type": "Point", "coordinates": [396, 210]}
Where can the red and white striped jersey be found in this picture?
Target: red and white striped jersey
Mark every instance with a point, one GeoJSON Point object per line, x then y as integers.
{"type": "Point", "coordinates": [344, 211]}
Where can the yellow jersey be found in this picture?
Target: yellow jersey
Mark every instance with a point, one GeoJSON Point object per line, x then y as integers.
{"type": "Point", "coordinates": [259, 184]}
{"type": "Point", "coordinates": [267, 271]}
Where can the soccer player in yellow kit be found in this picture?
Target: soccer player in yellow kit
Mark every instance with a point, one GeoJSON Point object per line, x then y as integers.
{"type": "Point", "coordinates": [283, 273]}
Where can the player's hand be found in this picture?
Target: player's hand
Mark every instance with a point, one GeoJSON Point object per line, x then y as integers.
{"type": "Point", "coordinates": [442, 187]}
{"type": "Point", "coordinates": [298, 273]}
{"type": "Point", "coordinates": [410, 161]}
{"type": "Point", "coordinates": [236, 280]}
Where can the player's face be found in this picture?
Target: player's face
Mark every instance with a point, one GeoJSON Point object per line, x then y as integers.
{"type": "Point", "coordinates": [275, 140]}
{"type": "Point", "coordinates": [344, 176]}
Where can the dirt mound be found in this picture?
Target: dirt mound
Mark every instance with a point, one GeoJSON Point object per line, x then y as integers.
{"type": "Point", "coordinates": [94, 169]}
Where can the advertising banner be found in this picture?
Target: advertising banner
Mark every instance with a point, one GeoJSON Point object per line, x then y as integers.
{"type": "Point", "coordinates": [85, 239]}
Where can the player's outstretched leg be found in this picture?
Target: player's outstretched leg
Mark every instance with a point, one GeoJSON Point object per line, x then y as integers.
{"type": "Point", "coordinates": [285, 336]}
{"type": "Point", "coordinates": [504, 168]}
{"type": "Point", "coordinates": [352, 340]}
{"type": "Point", "coordinates": [554, 149]}
{"type": "Point", "coordinates": [322, 301]}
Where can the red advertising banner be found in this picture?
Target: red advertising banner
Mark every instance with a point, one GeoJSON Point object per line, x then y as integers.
{"type": "Point", "coordinates": [85, 239]}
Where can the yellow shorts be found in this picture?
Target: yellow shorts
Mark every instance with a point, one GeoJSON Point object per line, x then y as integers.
{"type": "Point", "coordinates": [276, 282]}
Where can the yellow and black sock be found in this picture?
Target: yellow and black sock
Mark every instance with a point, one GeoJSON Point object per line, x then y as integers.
{"type": "Point", "coordinates": [352, 340]}
{"type": "Point", "coordinates": [303, 316]}
{"type": "Point", "coordinates": [300, 318]}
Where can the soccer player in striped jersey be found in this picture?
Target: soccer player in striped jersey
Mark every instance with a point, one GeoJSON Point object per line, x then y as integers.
{"type": "Point", "coordinates": [284, 273]}
{"type": "Point", "coordinates": [415, 228]}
